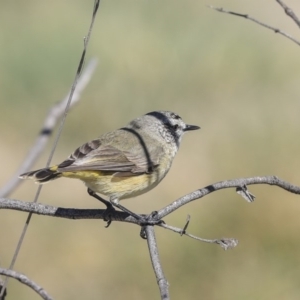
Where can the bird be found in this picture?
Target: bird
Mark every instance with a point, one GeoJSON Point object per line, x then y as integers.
{"type": "Point", "coordinates": [123, 163]}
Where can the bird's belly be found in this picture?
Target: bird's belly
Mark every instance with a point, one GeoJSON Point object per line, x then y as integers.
{"type": "Point", "coordinates": [123, 187]}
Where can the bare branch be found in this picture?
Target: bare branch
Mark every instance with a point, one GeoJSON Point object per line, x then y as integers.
{"type": "Point", "coordinates": [5, 290]}
{"type": "Point", "coordinates": [234, 183]}
{"type": "Point", "coordinates": [160, 277]}
{"type": "Point", "coordinates": [70, 213]}
{"type": "Point", "coordinates": [25, 280]}
{"type": "Point", "coordinates": [75, 214]}
{"type": "Point", "coordinates": [78, 214]}
{"type": "Point", "coordinates": [120, 216]}
{"type": "Point", "coordinates": [225, 243]}
{"type": "Point", "coordinates": [60, 212]}
{"type": "Point", "coordinates": [66, 110]}
{"type": "Point", "coordinates": [188, 219]}
{"type": "Point", "coordinates": [289, 12]}
{"type": "Point", "coordinates": [51, 120]}
{"type": "Point", "coordinates": [276, 30]}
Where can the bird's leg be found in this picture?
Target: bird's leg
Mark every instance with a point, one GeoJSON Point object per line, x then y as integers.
{"type": "Point", "coordinates": [142, 220]}
{"type": "Point", "coordinates": [93, 194]}
{"type": "Point", "coordinates": [115, 202]}
{"type": "Point", "coordinates": [109, 206]}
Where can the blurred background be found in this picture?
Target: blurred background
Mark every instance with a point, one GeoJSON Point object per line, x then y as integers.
{"type": "Point", "coordinates": [235, 79]}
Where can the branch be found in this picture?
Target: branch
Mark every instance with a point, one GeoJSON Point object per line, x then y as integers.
{"type": "Point", "coordinates": [160, 277]}
{"type": "Point", "coordinates": [225, 243]}
{"type": "Point", "coordinates": [25, 280]}
{"type": "Point", "coordinates": [276, 30]}
{"type": "Point", "coordinates": [60, 212]}
{"type": "Point", "coordinates": [289, 12]}
{"type": "Point", "coordinates": [76, 214]}
{"type": "Point", "coordinates": [66, 109]}
{"type": "Point", "coordinates": [5, 290]}
{"type": "Point", "coordinates": [234, 183]}
{"type": "Point", "coordinates": [72, 213]}
{"type": "Point", "coordinates": [51, 120]}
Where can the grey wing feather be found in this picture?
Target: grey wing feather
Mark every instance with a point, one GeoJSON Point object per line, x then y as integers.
{"type": "Point", "coordinates": [80, 152]}
{"type": "Point", "coordinates": [105, 158]}
{"type": "Point", "coordinates": [97, 157]}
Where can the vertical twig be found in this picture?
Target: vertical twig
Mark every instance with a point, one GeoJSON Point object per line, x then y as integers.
{"type": "Point", "coordinates": [1, 287]}
{"type": "Point", "coordinates": [160, 277]}
{"type": "Point", "coordinates": [49, 123]}
{"type": "Point", "coordinates": [81, 62]}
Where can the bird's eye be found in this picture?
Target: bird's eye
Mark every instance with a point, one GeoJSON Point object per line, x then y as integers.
{"type": "Point", "coordinates": [175, 126]}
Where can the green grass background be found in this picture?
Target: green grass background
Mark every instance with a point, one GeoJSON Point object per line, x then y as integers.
{"type": "Point", "coordinates": [238, 81]}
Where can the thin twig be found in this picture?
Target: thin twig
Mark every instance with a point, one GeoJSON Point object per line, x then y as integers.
{"type": "Point", "coordinates": [51, 120]}
{"type": "Point", "coordinates": [225, 243]}
{"type": "Point", "coordinates": [5, 290]}
{"type": "Point", "coordinates": [289, 12]}
{"type": "Point", "coordinates": [276, 30]}
{"type": "Point", "coordinates": [188, 219]}
{"type": "Point", "coordinates": [79, 69]}
{"type": "Point", "coordinates": [160, 277]}
{"type": "Point", "coordinates": [25, 280]}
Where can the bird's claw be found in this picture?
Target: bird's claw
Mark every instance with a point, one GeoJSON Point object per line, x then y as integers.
{"type": "Point", "coordinates": [151, 219]}
{"type": "Point", "coordinates": [107, 215]}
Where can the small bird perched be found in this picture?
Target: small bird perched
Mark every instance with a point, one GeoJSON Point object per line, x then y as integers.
{"type": "Point", "coordinates": [123, 163]}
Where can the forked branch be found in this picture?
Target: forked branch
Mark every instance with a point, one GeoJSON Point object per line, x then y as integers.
{"type": "Point", "coordinates": [72, 213]}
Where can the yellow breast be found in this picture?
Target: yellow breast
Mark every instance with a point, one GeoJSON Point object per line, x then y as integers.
{"type": "Point", "coordinates": [120, 187]}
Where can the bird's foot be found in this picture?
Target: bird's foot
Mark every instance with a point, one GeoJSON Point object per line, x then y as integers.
{"type": "Point", "coordinates": [151, 219]}
{"type": "Point", "coordinates": [109, 207]}
{"type": "Point", "coordinates": [110, 210]}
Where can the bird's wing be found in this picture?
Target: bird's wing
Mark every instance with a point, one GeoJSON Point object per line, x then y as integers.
{"type": "Point", "coordinates": [95, 156]}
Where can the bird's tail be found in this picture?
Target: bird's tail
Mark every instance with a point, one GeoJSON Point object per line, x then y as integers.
{"type": "Point", "coordinates": [42, 175]}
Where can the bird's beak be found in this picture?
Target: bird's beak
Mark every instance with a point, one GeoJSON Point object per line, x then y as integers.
{"type": "Point", "coordinates": [191, 127]}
